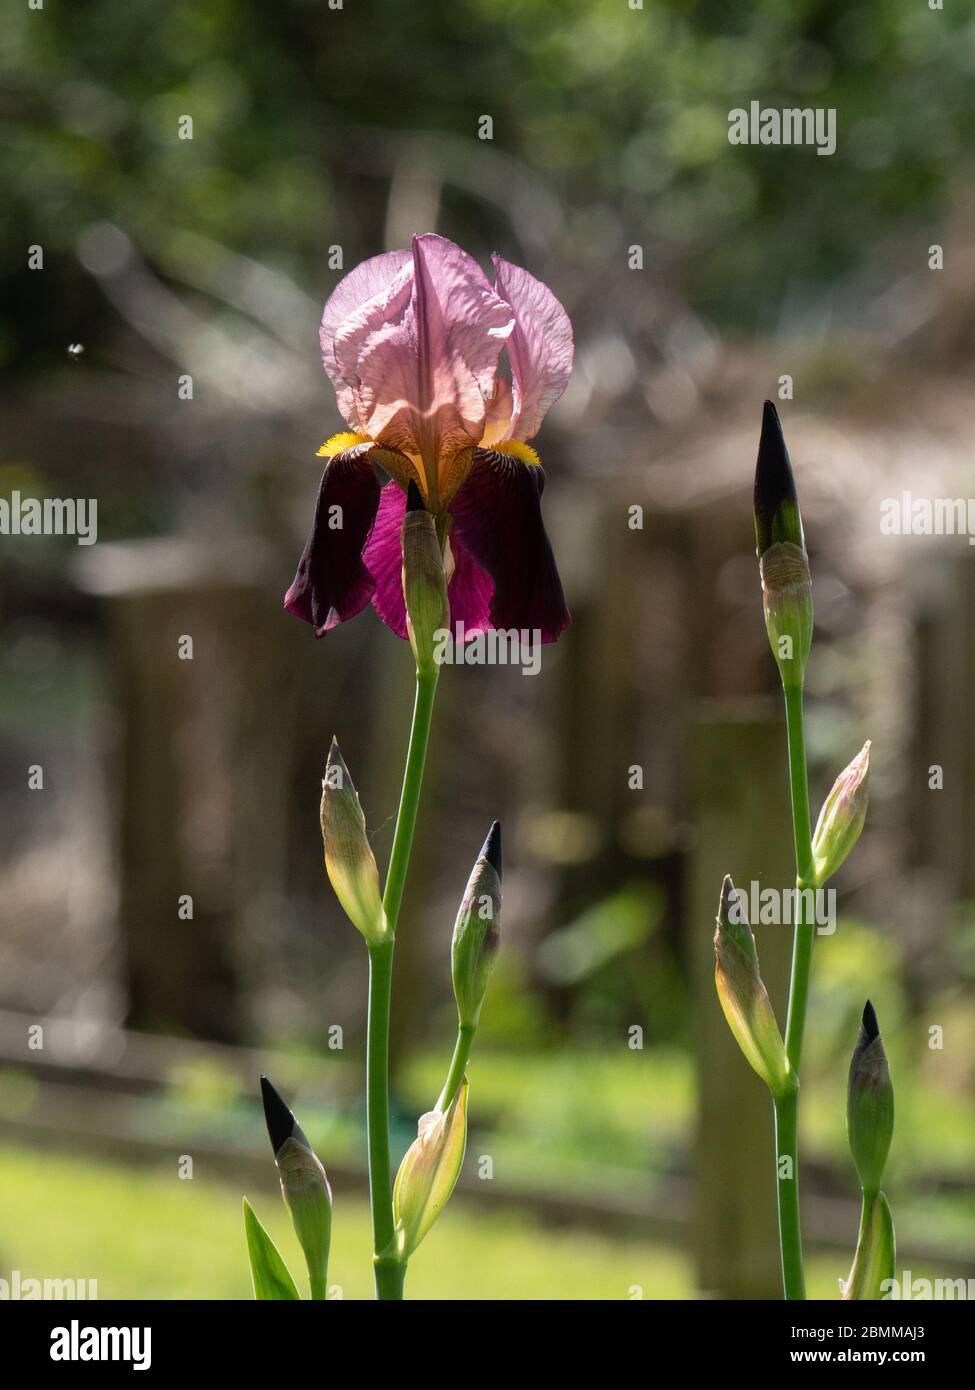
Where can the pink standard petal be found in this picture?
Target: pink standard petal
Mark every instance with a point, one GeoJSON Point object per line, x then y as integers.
{"type": "Point", "coordinates": [540, 347]}
{"type": "Point", "coordinates": [461, 327]}
{"type": "Point", "coordinates": [360, 299]}
{"type": "Point", "coordinates": [427, 367]}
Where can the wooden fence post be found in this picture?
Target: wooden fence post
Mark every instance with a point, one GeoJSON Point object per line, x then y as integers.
{"type": "Point", "coordinates": [741, 811]}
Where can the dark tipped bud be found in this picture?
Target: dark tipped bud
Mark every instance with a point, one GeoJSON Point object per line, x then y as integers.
{"type": "Point", "coordinates": [783, 563]}
{"type": "Point", "coordinates": [777, 518]}
{"type": "Point", "coordinates": [304, 1186]}
{"type": "Point", "coordinates": [477, 931]}
{"type": "Point", "coordinates": [281, 1124]}
{"type": "Point", "coordinates": [492, 848]}
{"type": "Point", "coordinates": [868, 1023]}
{"type": "Point", "coordinates": [424, 580]}
{"type": "Point", "coordinates": [743, 997]}
{"type": "Point", "coordinates": [870, 1104]}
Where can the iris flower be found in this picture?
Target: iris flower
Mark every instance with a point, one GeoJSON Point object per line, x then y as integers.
{"type": "Point", "coordinates": [412, 342]}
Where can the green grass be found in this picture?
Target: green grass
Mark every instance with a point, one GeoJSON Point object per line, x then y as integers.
{"type": "Point", "coordinates": [146, 1234]}
{"type": "Point", "coordinates": [142, 1233]}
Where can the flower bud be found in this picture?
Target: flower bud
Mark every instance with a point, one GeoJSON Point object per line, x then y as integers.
{"type": "Point", "coordinates": [874, 1261]}
{"type": "Point", "coordinates": [869, 1104]}
{"type": "Point", "coordinates": [304, 1186]}
{"type": "Point", "coordinates": [783, 562]}
{"type": "Point", "coordinates": [841, 819]}
{"type": "Point", "coordinates": [424, 582]}
{"type": "Point", "coordinates": [744, 998]}
{"type": "Point", "coordinates": [477, 931]}
{"type": "Point", "coordinates": [429, 1171]}
{"type": "Point", "coordinates": [349, 860]}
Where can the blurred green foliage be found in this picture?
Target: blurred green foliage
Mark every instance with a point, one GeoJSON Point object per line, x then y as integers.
{"type": "Point", "coordinates": [613, 119]}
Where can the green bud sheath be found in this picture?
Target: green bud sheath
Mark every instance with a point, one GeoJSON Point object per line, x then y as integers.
{"type": "Point", "coordinates": [744, 998]}
{"type": "Point", "coordinates": [429, 1172]}
{"type": "Point", "coordinates": [869, 1105]}
{"type": "Point", "coordinates": [841, 819]}
{"type": "Point", "coordinates": [876, 1253]}
{"type": "Point", "coordinates": [349, 860]}
{"type": "Point", "coordinates": [477, 931]}
{"type": "Point", "coordinates": [304, 1187]}
{"type": "Point", "coordinates": [424, 581]}
{"type": "Point", "coordinates": [783, 562]}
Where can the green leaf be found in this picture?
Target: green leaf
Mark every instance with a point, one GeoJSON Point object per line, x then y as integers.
{"type": "Point", "coordinates": [873, 1264]}
{"type": "Point", "coordinates": [268, 1270]}
{"type": "Point", "coordinates": [429, 1171]}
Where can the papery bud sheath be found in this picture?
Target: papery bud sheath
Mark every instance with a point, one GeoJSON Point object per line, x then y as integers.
{"type": "Point", "coordinates": [349, 859]}
{"type": "Point", "coordinates": [424, 582]}
{"type": "Point", "coordinates": [429, 1172]}
{"type": "Point", "coordinates": [477, 931]}
{"type": "Point", "coordinates": [874, 1263]}
{"type": "Point", "coordinates": [744, 998]}
{"type": "Point", "coordinates": [841, 819]}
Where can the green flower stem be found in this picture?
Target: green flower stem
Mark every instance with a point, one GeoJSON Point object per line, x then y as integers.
{"type": "Point", "coordinates": [390, 1277]}
{"type": "Point", "coordinates": [377, 1112]}
{"type": "Point", "coordinates": [787, 1189]}
{"type": "Point", "coordinates": [390, 1270]}
{"type": "Point", "coordinates": [319, 1287]}
{"type": "Point", "coordinates": [787, 1107]}
{"type": "Point", "coordinates": [399, 860]}
{"type": "Point", "coordinates": [802, 833]}
{"type": "Point", "coordinates": [458, 1065]}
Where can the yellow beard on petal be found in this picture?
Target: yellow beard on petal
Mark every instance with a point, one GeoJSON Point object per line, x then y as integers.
{"type": "Point", "coordinates": [517, 449]}
{"type": "Point", "coordinates": [400, 466]}
{"type": "Point", "coordinates": [340, 442]}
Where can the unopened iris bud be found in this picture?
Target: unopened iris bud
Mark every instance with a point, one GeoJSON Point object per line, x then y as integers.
{"type": "Point", "coordinates": [841, 819]}
{"type": "Point", "coordinates": [783, 562]}
{"type": "Point", "coordinates": [477, 931]}
{"type": "Point", "coordinates": [429, 1172]}
{"type": "Point", "coordinates": [349, 859]}
{"type": "Point", "coordinates": [744, 998]}
{"type": "Point", "coordinates": [304, 1186]}
{"type": "Point", "coordinates": [424, 582]}
{"type": "Point", "coordinates": [869, 1104]}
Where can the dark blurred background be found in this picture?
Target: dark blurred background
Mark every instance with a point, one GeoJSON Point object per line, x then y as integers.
{"type": "Point", "coordinates": [631, 1146]}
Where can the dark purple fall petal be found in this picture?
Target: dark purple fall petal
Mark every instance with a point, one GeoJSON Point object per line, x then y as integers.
{"type": "Point", "coordinates": [497, 518]}
{"type": "Point", "coordinates": [383, 557]}
{"type": "Point", "coordinates": [469, 591]}
{"type": "Point", "coordinates": [332, 584]}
